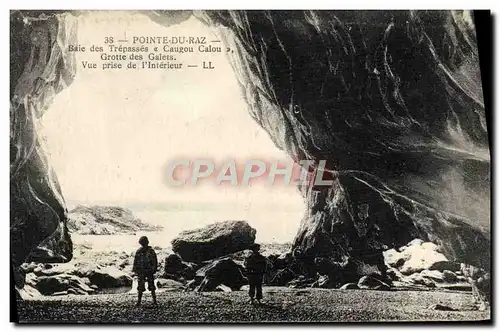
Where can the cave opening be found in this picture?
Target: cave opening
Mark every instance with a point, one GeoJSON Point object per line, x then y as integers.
{"type": "Point", "coordinates": [110, 132]}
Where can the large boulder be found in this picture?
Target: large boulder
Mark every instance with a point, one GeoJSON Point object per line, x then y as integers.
{"type": "Point", "coordinates": [417, 256]}
{"type": "Point", "coordinates": [220, 272]}
{"type": "Point", "coordinates": [215, 240]}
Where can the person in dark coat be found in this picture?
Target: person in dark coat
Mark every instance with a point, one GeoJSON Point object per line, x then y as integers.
{"type": "Point", "coordinates": [255, 266]}
{"type": "Point", "coordinates": [145, 266]}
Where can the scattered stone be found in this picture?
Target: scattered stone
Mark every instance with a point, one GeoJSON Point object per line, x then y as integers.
{"type": "Point", "coordinates": [302, 292]}
{"type": "Point", "coordinates": [418, 279]}
{"type": "Point", "coordinates": [282, 261]}
{"type": "Point", "coordinates": [444, 265]}
{"type": "Point", "coordinates": [370, 282]}
{"type": "Point", "coordinates": [60, 293]}
{"type": "Point", "coordinates": [421, 256]}
{"type": "Point", "coordinates": [441, 307]}
{"type": "Point", "coordinates": [326, 282]}
{"type": "Point", "coordinates": [394, 258]}
{"type": "Point", "coordinates": [224, 289]}
{"type": "Point", "coordinates": [29, 292]}
{"type": "Point", "coordinates": [480, 281]}
{"type": "Point", "coordinates": [105, 220]}
{"type": "Point", "coordinates": [418, 256]}
{"type": "Point", "coordinates": [224, 271]}
{"type": "Point", "coordinates": [108, 277]}
{"type": "Point", "coordinates": [394, 274]}
{"type": "Point", "coordinates": [433, 275]}
{"type": "Point", "coordinates": [50, 285]}
{"type": "Point", "coordinates": [349, 285]}
{"type": "Point", "coordinates": [414, 242]}
{"type": "Point", "coordinates": [300, 282]}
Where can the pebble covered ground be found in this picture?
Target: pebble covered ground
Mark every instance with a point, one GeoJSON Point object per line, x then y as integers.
{"type": "Point", "coordinates": [280, 305]}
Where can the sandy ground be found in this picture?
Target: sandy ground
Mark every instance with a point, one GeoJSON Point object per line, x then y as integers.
{"type": "Point", "coordinates": [280, 305]}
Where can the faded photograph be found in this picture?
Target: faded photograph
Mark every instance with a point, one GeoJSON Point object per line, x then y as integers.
{"type": "Point", "coordinates": [248, 166]}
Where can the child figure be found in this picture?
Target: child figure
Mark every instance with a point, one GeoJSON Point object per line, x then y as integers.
{"type": "Point", "coordinates": [145, 266]}
{"type": "Point", "coordinates": [255, 266]}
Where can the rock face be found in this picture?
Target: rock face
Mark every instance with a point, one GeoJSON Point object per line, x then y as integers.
{"type": "Point", "coordinates": [212, 241]}
{"type": "Point", "coordinates": [417, 256]}
{"type": "Point", "coordinates": [393, 102]}
{"type": "Point", "coordinates": [108, 277]}
{"type": "Point", "coordinates": [105, 220]}
{"type": "Point", "coordinates": [60, 279]}
{"type": "Point", "coordinates": [176, 269]}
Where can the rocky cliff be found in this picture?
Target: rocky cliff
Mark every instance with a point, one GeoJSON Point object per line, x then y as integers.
{"type": "Point", "coordinates": [393, 101]}
{"type": "Point", "coordinates": [105, 220]}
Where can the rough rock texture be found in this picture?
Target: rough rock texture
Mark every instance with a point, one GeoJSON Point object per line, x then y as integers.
{"type": "Point", "coordinates": [68, 278]}
{"type": "Point", "coordinates": [40, 68]}
{"type": "Point", "coordinates": [105, 220]}
{"type": "Point", "coordinates": [176, 269]}
{"type": "Point", "coordinates": [349, 285]}
{"type": "Point", "coordinates": [370, 282]}
{"type": "Point", "coordinates": [169, 284]}
{"type": "Point", "coordinates": [334, 274]}
{"type": "Point", "coordinates": [481, 284]}
{"type": "Point", "coordinates": [212, 241]}
{"type": "Point", "coordinates": [393, 101]}
{"type": "Point", "coordinates": [108, 277]}
{"type": "Point", "coordinates": [71, 284]}
{"type": "Point", "coordinates": [416, 256]}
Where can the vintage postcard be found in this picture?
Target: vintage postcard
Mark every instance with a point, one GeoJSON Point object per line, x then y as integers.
{"type": "Point", "coordinates": [250, 166]}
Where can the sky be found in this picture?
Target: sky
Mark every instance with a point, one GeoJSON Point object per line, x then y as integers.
{"type": "Point", "coordinates": [109, 134]}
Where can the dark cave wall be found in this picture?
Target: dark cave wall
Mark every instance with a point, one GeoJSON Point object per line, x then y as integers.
{"type": "Point", "coordinates": [40, 68]}
{"type": "Point", "coordinates": [393, 101]}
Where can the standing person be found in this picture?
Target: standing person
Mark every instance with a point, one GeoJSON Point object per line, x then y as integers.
{"type": "Point", "coordinates": [255, 266]}
{"type": "Point", "coordinates": [145, 266]}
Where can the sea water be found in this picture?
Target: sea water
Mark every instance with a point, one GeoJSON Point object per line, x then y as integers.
{"type": "Point", "coordinates": [273, 225]}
